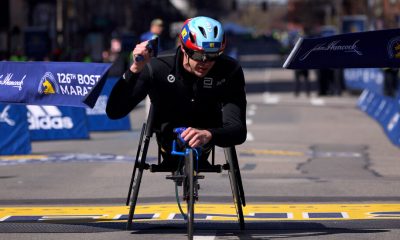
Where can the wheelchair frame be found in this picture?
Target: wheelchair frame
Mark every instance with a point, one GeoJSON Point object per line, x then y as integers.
{"type": "Point", "coordinates": [190, 176]}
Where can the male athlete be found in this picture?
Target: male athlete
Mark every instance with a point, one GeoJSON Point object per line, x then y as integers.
{"type": "Point", "coordinates": [195, 86]}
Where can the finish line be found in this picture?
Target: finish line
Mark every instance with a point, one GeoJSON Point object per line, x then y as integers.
{"type": "Point", "coordinates": [204, 212]}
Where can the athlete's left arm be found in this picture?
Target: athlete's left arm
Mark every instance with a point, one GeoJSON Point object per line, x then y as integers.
{"type": "Point", "coordinates": [233, 130]}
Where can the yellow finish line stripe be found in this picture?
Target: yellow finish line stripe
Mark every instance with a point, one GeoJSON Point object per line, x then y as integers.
{"type": "Point", "coordinates": [23, 157]}
{"type": "Point", "coordinates": [213, 212]}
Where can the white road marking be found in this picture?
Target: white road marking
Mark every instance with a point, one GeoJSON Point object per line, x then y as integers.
{"type": "Point", "coordinates": [249, 137]}
{"type": "Point", "coordinates": [317, 102]}
{"type": "Point", "coordinates": [249, 121]}
{"type": "Point", "coordinates": [271, 99]}
{"type": "Point", "coordinates": [205, 237]}
{"type": "Point", "coordinates": [251, 112]}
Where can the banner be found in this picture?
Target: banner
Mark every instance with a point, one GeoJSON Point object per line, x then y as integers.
{"type": "Point", "coordinates": [50, 83]}
{"type": "Point", "coordinates": [97, 117]}
{"type": "Point", "coordinates": [354, 23]}
{"type": "Point", "coordinates": [364, 78]}
{"type": "Point", "coordinates": [385, 110]}
{"type": "Point", "coordinates": [14, 134]}
{"type": "Point", "coordinates": [56, 123]}
{"type": "Point", "coordinates": [373, 49]}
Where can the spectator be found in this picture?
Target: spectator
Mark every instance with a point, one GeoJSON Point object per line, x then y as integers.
{"type": "Point", "coordinates": [156, 29]}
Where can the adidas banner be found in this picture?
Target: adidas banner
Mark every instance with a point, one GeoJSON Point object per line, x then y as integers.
{"type": "Point", "coordinates": [57, 122]}
{"type": "Point", "coordinates": [14, 134]}
{"type": "Point", "coordinates": [51, 83]}
{"type": "Point", "coordinates": [97, 117]}
{"type": "Point", "coordinates": [372, 49]}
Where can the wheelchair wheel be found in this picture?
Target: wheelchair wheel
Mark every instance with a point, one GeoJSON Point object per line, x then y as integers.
{"type": "Point", "coordinates": [189, 192]}
{"type": "Point", "coordinates": [235, 188]}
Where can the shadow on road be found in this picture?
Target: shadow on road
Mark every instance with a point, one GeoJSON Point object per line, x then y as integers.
{"type": "Point", "coordinates": [254, 230]}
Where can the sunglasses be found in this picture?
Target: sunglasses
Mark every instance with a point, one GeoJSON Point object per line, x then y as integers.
{"type": "Point", "coordinates": [203, 57]}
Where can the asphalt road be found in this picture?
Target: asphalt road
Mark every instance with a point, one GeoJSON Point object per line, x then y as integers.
{"type": "Point", "coordinates": [303, 157]}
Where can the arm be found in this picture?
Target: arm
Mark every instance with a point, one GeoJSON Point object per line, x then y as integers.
{"type": "Point", "coordinates": [233, 130]}
{"type": "Point", "coordinates": [131, 88]}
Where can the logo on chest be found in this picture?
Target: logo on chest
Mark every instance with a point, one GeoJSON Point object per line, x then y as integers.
{"type": "Point", "coordinates": [208, 82]}
{"type": "Point", "coordinates": [171, 78]}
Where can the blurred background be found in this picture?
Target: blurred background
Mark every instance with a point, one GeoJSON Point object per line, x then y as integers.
{"type": "Point", "coordinates": [261, 34]}
{"type": "Point", "coordinates": [261, 31]}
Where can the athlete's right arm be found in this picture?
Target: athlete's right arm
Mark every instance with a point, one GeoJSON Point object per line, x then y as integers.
{"type": "Point", "coordinates": [131, 88]}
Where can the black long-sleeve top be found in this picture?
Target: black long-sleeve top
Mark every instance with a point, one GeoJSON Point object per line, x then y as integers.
{"type": "Point", "coordinates": [216, 102]}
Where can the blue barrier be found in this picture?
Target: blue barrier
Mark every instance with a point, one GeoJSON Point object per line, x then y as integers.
{"type": "Point", "coordinates": [56, 123]}
{"type": "Point", "coordinates": [385, 110]}
{"type": "Point", "coordinates": [97, 118]}
{"type": "Point", "coordinates": [14, 134]}
{"type": "Point", "coordinates": [364, 78]}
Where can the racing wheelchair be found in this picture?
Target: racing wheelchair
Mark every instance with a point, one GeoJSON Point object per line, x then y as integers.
{"type": "Point", "coordinates": [186, 175]}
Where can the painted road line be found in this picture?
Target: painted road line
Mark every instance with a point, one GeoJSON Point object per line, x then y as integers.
{"type": "Point", "coordinates": [65, 157]}
{"type": "Point", "coordinates": [23, 157]}
{"type": "Point", "coordinates": [204, 212]}
{"type": "Point", "coordinates": [205, 237]}
{"type": "Point", "coordinates": [271, 99]}
{"type": "Point", "coordinates": [249, 121]}
{"type": "Point", "coordinates": [317, 102]}
{"type": "Point", "coordinates": [271, 152]}
{"type": "Point", "coordinates": [249, 137]}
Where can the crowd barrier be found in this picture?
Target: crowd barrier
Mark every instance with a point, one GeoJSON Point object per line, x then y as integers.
{"type": "Point", "coordinates": [364, 78]}
{"type": "Point", "coordinates": [14, 133]}
{"type": "Point", "coordinates": [373, 101]}
{"type": "Point", "coordinates": [21, 124]}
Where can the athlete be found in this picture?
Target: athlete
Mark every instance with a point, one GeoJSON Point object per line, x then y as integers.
{"type": "Point", "coordinates": [194, 86]}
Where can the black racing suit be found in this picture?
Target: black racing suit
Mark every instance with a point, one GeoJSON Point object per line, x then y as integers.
{"type": "Point", "coordinates": [216, 102]}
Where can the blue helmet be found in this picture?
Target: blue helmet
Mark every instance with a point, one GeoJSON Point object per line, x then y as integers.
{"type": "Point", "coordinates": [202, 34]}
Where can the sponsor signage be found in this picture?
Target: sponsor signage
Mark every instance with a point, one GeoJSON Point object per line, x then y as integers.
{"type": "Point", "coordinates": [372, 49]}
{"type": "Point", "coordinates": [14, 134]}
{"type": "Point", "coordinates": [385, 111]}
{"type": "Point", "coordinates": [53, 123]}
{"type": "Point", "coordinates": [364, 78]}
{"type": "Point", "coordinates": [50, 83]}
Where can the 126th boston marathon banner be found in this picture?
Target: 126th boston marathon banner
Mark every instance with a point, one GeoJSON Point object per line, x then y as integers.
{"type": "Point", "coordinates": [51, 83]}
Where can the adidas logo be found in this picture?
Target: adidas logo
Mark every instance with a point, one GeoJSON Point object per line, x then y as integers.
{"type": "Point", "coordinates": [5, 118]}
{"type": "Point", "coordinates": [47, 118]}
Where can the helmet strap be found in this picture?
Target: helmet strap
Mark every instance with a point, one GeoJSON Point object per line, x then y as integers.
{"type": "Point", "coordinates": [187, 61]}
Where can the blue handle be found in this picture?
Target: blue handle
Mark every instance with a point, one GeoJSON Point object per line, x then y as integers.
{"type": "Point", "coordinates": [139, 58]}
{"type": "Point", "coordinates": [151, 46]}
{"type": "Point", "coordinates": [178, 132]}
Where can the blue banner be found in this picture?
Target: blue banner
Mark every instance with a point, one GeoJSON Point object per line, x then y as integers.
{"type": "Point", "coordinates": [373, 49]}
{"type": "Point", "coordinates": [50, 83]}
{"type": "Point", "coordinates": [385, 110]}
{"type": "Point", "coordinates": [97, 117]}
{"type": "Point", "coordinates": [14, 134]}
{"type": "Point", "coordinates": [364, 78]}
{"type": "Point", "coordinates": [354, 23]}
{"type": "Point", "coordinates": [56, 123]}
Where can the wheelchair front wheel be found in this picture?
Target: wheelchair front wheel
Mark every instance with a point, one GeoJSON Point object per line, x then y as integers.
{"type": "Point", "coordinates": [189, 192]}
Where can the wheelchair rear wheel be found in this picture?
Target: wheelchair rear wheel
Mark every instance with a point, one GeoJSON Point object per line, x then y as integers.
{"type": "Point", "coordinates": [233, 178]}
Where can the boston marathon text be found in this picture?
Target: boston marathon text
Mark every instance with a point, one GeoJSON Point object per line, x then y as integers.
{"type": "Point", "coordinates": [76, 84]}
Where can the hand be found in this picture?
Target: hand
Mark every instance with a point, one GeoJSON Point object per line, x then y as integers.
{"type": "Point", "coordinates": [196, 137]}
{"type": "Point", "coordinates": [140, 49]}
